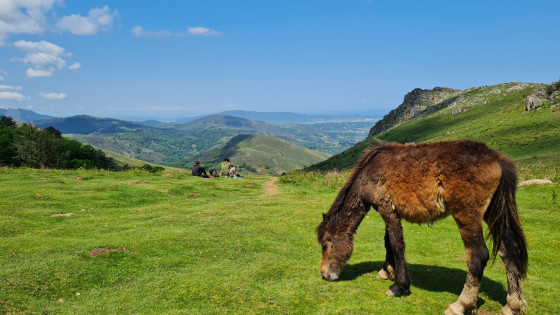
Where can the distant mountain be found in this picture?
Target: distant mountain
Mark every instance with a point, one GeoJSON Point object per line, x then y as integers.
{"type": "Point", "coordinates": [518, 119]}
{"type": "Point", "coordinates": [85, 124]}
{"type": "Point", "coordinates": [23, 115]}
{"type": "Point", "coordinates": [285, 117]}
{"type": "Point", "coordinates": [259, 154]}
{"type": "Point", "coordinates": [170, 144]}
{"type": "Point", "coordinates": [330, 137]}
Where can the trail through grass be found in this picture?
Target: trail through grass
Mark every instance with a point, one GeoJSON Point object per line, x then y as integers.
{"type": "Point", "coordinates": [139, 243]}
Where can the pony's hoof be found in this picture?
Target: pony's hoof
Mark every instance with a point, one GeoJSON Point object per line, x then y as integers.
{"type": "Point", "coordinates": [384, 275]}
{"type": "Point", "coordinates": [458, 309]}
{"type": "Point", "coordinates": [397, 293]}
{"type": "Point", "coordinates": [514, 307]}
{"type": "Point", "coordinates": [506, 310]}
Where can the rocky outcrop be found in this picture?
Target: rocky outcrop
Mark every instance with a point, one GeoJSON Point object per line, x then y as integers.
{"type": "Point", "coordinates": [416, 102]}
{"type": "Point", "coordinates": [534, 101]}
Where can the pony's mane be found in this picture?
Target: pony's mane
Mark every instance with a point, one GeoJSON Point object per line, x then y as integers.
{"type": "Point", "coordinates": [330, 219]}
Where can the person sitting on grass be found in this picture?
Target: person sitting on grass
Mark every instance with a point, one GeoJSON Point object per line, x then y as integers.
{"type": "Point", "coordinates": [198, 170]}
{"type": "Point", "coordinates": [226, 165]}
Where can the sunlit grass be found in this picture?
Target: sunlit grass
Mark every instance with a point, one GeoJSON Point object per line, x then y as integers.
{"type": "Point", "coordinates": [190, 245]}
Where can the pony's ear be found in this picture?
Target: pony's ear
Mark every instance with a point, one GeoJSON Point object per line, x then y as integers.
{"type": "Point", "coordinates": [325, 216]}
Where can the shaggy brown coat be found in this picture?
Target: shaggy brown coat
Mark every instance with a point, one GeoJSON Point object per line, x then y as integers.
{"type": "Point", "coordinates": [421, 184]}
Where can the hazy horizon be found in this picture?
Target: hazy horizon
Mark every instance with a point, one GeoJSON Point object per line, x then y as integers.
{"type": "Point", "coordinates": [184, 59]}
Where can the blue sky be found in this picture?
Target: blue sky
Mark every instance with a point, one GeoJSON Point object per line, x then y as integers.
{"type": "Point", "coordinates": [170, 59]}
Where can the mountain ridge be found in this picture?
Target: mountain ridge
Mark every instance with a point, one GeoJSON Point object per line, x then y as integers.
{"type": "Point", "coordinates": [498, 115]}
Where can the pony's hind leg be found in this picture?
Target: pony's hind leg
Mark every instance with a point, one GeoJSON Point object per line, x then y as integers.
{"type": "Point", "coordinates": [515, 301]}
{"type": "Point", "coordinates": [477, 256]}
{"type": "Point", "coordinates": [388, 270]}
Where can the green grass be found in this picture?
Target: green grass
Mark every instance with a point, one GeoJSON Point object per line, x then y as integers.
{"type": "Point", "coordinates": [198, 245]}
{"type": "Point", "coordinates": [494, 115]}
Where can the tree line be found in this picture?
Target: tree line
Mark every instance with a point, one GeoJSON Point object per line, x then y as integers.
{"type": "Point", "coordinates": [26, 145]}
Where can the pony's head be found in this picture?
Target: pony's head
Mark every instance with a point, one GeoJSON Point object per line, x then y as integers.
{"type": "Point", "coordinates": [337, 247]}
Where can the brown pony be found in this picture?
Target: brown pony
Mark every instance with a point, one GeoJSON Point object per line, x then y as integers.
{"type": "Point", "coordinates": [421, 184]}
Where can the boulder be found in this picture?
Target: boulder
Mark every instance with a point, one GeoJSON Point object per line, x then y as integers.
{"type": "Point", "coordinates": [532, 102]}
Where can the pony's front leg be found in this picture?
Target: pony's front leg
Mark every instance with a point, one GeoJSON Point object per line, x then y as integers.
{"type": "Point", "coordinates": [396, 241]}
{"type": "Point", "coordinates": [388, 270]}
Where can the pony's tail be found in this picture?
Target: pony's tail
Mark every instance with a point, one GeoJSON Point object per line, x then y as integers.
{"type": "Point", "coordinates": [503, 220]}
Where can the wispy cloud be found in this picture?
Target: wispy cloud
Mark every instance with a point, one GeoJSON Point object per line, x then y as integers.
{"type": "Point", "coordinates": [9, 87]}
{"type": "Point", "coordinates": [44, 57]}
{"type": "Point", "coordinates": [75, 66]}
{"type": "Point", "coordinates": [15, 96]}
{"type": "Point", "coordinates": [2, 74]}
{"type": "Point", "coordinates": [203, 31]}
{"type": "Point", "coordinates": [98, 19]}
{"type": "Point", "coordinates": [139, 31]}
{"type": "Point", "coordinates": [53, 96]}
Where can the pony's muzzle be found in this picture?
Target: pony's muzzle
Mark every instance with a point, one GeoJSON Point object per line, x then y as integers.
{"type": "Point", "coordinates": [329, 276]}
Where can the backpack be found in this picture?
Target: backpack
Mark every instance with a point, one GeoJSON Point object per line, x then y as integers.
{"type": "Point", "coordinates": [213, 173]}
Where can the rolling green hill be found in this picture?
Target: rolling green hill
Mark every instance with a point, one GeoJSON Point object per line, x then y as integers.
{"type": "Point", "coordinates": [259, 154]}
{"type": "Point", "coordinates": [495, 115]}
{"type": "Point", "coordinates": [170, 144]}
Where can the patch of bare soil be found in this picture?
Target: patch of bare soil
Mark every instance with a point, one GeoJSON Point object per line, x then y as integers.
{"type": "Point", "coordinates": [62, 214]}
{"type": "Point", "coordinates": [535, 182]}
{"type": "Point", "coordinates": [167, 175]}
{"type": "Point", "coordinates": [106, 251]}
{"type": "Point", "coordinates": [132, 182]}
{"type": "Point", "coordinates": [78, 178]}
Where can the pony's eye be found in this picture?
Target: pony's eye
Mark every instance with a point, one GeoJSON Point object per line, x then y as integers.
{"type": "Point", "coordinates": [324, 247]}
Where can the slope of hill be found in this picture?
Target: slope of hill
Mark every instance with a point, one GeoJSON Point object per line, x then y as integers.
{"type": "Point", "coordinates": [259, 154]}
{"type": "Point", "coordinates": [23, 115]}
{"type": "Point", "coordinates": [495, 115]}
{"type": "Point", "coordinates": [171, 143]}
{"type": "Point", "coordinates": [85, 124]}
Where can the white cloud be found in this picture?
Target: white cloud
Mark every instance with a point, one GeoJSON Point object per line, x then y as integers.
{"type": "Point", "coordinates": [23, 17]}
{"type": "Point", "coordinates": [96, 20]}
{"type": "Point", "coordinates": [2, 74]}
{"type": "Point", "coordinates": [9, 87]}
{"type": "Point", "coordinates": [13, 96]}
{"type": "Point", "coordinates": [139, 31]}
{"type": "Point", "coordinates": [31, 73]}
{"type": "Point", "coordinates": [75, 66]}
{"type": "Point", "coordinates": [44, 58]}
{"type": "Point", "coordinates": [53, 96]}
{"type": "Point", "coordinates": [203, 31]}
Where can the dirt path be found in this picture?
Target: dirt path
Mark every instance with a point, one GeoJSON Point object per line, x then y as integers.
{"type": "Point", "coordinates": [270, 187]}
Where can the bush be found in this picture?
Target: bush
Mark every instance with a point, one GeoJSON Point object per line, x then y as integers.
{"type": "Point", "coordinates": [37, 148]}
{"type": "Point", "coordinates": [152, 169]}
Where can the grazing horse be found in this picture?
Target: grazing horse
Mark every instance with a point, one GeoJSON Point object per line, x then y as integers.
{"type": "Point", "coordinates": [421, 184]}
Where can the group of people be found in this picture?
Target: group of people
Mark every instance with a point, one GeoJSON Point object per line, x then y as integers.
{"type": "Point", "coordinates": [228, 169]}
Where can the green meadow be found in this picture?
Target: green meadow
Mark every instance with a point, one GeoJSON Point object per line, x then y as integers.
{"type": "Point", "coordinates": [98, 242]}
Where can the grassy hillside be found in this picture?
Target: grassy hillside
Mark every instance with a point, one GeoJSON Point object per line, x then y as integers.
{"type": "Point", "coordinates": [96, 242]}
{"type": "Point", "coordinates": [169, 144]}
{"type": "Point", "coordinates": [495, 115]}
{"type": "Point", "coordinates": [259, 154]}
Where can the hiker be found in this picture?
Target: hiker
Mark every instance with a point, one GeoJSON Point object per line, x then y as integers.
{"type": "Point", "coordinates": [228, 169]}
{"type": "Point", "coordinates": [198, 170]}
